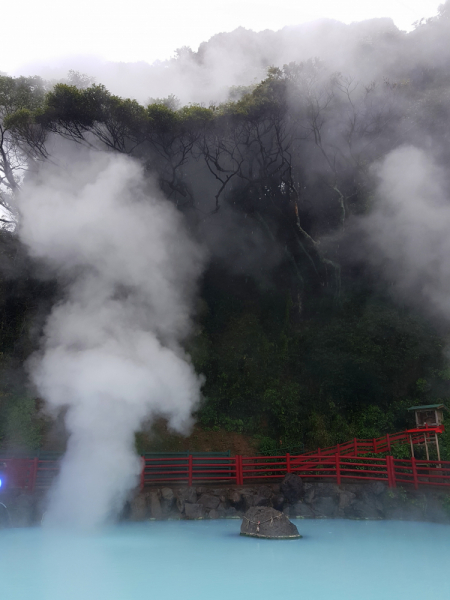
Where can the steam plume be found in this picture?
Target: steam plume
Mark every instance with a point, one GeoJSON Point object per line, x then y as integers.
{"type": "Point", "coordinates": [111, 351]}
{"type": "Point", "coordinates": [410, 229]}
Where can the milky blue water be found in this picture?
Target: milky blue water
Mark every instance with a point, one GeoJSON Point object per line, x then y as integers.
{"type": "Point", "coordinates": [208, 560]}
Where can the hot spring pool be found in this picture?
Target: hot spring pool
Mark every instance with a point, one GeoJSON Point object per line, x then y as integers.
{"type": "Point", "coordinates": [208, 560]}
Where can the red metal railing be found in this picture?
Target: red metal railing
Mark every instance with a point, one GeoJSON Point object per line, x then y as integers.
{"type": "Point", "coordinates": [380, 445]}
{"type": "Point", "coordinates": [190, 469]}
{"type": "Point", "coordinates": [31, 474]}
{"type": "Point", "coordinates": [338, 463]}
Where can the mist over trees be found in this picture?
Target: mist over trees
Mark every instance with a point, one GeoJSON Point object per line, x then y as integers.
{"type": "Point", "coordinates": [301, 333]}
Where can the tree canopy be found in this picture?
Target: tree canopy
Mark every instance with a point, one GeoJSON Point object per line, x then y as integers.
{"type": "Point", "coordinates": [297, 337]}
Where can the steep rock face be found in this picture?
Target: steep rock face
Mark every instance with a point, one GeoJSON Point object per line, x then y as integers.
{"type": "Point", "coordinates": [266, 522]}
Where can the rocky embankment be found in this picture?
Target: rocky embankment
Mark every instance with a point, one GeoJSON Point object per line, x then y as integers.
{"type": "Point", "coordinates": [294, 497]}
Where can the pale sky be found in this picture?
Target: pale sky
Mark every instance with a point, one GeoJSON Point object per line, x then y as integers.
{"type": "Point", "coordinates": [146, 30]}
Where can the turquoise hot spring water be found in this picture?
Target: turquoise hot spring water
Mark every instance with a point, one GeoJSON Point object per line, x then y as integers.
{"type": "Point", "coordinates": [209, 560]}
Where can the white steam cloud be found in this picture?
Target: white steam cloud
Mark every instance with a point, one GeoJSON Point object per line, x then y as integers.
{"type": "Point", "coordinates": [409, 229]}
{"type": "Point", "coordinates": [111, 352]}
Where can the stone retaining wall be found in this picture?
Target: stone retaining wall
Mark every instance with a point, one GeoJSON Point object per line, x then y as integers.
{"type": "Point", "coordinates": [294, 497]}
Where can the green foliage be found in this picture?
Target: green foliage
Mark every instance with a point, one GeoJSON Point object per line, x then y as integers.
{"type": "Point", "coordinates": [333, 375]}
{"type": "Point", "coordinates": [21, 429]}
{"type": "Point", "coordinates": [20, 92]}
{"type": "Point", "coordinates": [268, 446]}
{"type": "Point", "coordinates": [305, 348]}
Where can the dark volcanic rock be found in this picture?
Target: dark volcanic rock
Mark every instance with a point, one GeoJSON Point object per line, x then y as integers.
{"type": "Point", "coordinates": [325, 507]}
{"type": "Point", "coordinates": [248, 501]}
{"type": "Point", "coordinates": [138, 510]}
{"type": "Point", "coordinates": [292, 488]}
{"type": "Point", "coordinates": [363, 510]}
{"type": "Point", "coordinates": [261, 500]}
{"type": "Point", "coordinates": [209, 501]}
{"type": "Point", "coordinates": [301, 509]}
{"type": "Point", "coordinates": [194, 511]}
{"type": "Point", "coordinates": [231, 512]}
{"type": "Point", "coordinates": [155, 505]}
{"type": "Point", "coordinates": [278, 501]}
{"type": "Point", "coordinates": [264, 522]}
{"type": "Point", "coordinates": [235, 498]}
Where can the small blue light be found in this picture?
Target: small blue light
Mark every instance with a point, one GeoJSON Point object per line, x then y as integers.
{"type": "Point", "coordinates": [0, 483]}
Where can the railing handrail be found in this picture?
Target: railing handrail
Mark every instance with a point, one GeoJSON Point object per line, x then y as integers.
{"type": "Point", "coordinates": [331, 462]}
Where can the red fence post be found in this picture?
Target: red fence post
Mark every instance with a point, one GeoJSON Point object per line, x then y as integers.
{"type": "Point", "coordinates": [414, 470]}
{"type": "Point", "coordinates": [142, 480]}
{"type": "Point", "coordinates": [338, 470]}
{"type": "Point", "coordinates": [389, 471]}
{"type": "Point", "coordinates": [288, 462]}
{"type": "Point", "coordinates": [394, 482]}
{"type": "Point", "coordinates": [190, 470]}
{"type": "Point", "coordinates": [238, 470]}
{"type": "Point", "coordinates": [374, 445]}
{"type": "Point", "coordinates": [241, 469]}
{"type": "Point", "coordinates": [388, 442]}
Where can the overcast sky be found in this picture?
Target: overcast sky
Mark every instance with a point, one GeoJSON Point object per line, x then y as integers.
{"type": "Point", "coordinates": [144, 30]}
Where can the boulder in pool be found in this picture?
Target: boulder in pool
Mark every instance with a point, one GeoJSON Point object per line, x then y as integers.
{"type": "Point", "coordinates": [266, 522]}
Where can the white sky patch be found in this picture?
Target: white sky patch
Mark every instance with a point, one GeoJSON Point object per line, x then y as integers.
{"type": "Point", "coordinates": [139, 30]}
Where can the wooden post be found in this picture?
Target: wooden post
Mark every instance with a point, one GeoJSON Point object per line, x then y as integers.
{"type": "Point", "coordinates": [412, 445]}
{"type": "Point", "coordinates": [438, 451]}
{"type": "Point", "coordinates": [426, 445]}
{"type": "Point", "coordinates": [288, 462]}
{"type": "Point", "coordinates": [338, 469]}
{"type": "Point", "coordinates": [190, 470]}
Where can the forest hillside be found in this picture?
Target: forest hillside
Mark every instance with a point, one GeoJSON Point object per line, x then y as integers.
{"type": "Point", "coordinates": [320, 195]}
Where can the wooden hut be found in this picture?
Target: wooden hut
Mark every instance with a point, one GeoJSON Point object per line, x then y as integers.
{"type": "Point", "coordinates": [429, 415]}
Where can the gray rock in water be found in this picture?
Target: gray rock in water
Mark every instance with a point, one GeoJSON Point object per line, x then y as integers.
{"type": "Point", "coordinates": [266, 522]}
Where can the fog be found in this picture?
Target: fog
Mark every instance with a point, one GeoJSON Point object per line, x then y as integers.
{"type": "Point", "coordinates": [363, 50]}
{"type": "Point", "coordinates": [408, 229]}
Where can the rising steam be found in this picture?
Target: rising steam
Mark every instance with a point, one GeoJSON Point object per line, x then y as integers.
{"type": "Point", "coordinates": [409, 229]}
{"type": "Point", "coordinates": [111, 352]}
